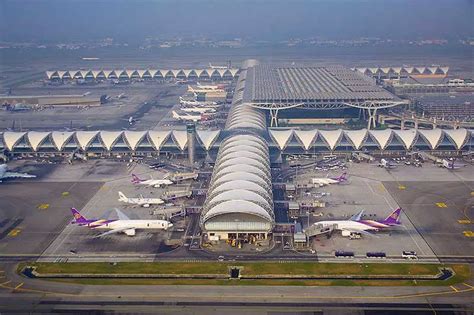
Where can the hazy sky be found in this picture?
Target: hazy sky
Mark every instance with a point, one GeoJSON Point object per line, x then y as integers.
{"type": "Point", "coordinates": [57, 20]}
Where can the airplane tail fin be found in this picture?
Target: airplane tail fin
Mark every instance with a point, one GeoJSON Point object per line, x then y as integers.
{"type": "Point", "coordinates": [343, 177]}
{"type": "Point", "coordinates": [393, 218]}
{"type": "Point", "coordinates": [136, 179]}
{"type": "Point", "coordinates": [78, 217]}
{"type": "Point", "coordinates": [122, 196]}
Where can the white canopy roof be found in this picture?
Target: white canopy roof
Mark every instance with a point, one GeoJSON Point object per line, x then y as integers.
{"type": "Point", "coordinates": [207, 137]}
{"type": "Point", "coordinates": [109, 138]}
{"type": "Point", "coordinates": [60, 138]}
{"type": "Point", "coordinates": [357, 137]}
{"type": "Point", "coordinates": [432, 136]}
{"type": "Point", "coordinates": [84, 138]}
{"type": "Point", "coordinates": [237, 206]}
{"type": "Point", "coordinates": [158, 138]}
{"type": "Point", "coordinates": [459, 136]}
{"type": "Point", "coordinates": [306, 137]}
{"type": "Point", "coordinates": [10, 138]}
{"type": "Point", "coordinates": [181, 138]}
{"type": "Point", "coordinates": [239, 194]}
{"type": "Point", "coordinates": [331, 137]}
{"type": "Point", "coordinates": [281, 137]}
{"type": "Point", "coordinates": [407, 137]}
{"type": "Point", "coordinates": [133, 138]}
{"type": "Point", "coordinates": [35, 138]}
{"type": "Point", "coordinates": [382, 137]}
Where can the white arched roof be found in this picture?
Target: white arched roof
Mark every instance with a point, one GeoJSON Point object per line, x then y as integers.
{"type": "Point", "coordinates": [207, 137]}
{"type": "Point", "coordinates": [433, 136]}
{"type": "Point", "coordinates": [407, 137]}
{"type": "Point", "coordinates": [61, 138]}
{"type": "Point", "coordinates": [281, 137]}
{"type": "Point", "coordinates": [251, 177]}
{"type": "Point", "coordinates": [239, 194]}
{"type": "Point", "coordinates": [181, 138]}
{"type": "Point", "coordinates": [224, 156]}
{"type": "Point", "coordinates": [459, 136]}
{"type": "Point", "coordinates": [245, 168]}
{"type": "Point", "coordinates": [237, 206]}
{"type": "Point", "coordinates": [382, 137]}
{"type": "Point", "coordinates": [35, 138]}
{"type": "Point", "coordinates": [240, 184]}
{"type": "Point", "coordinates": [246, 147]}
{"type": "Point", "coordinates": [10, 138]}
{"type": "Point", "coordinates": [133, 138]}
{"type": "Point", "coordinates": [233, 161]}
{"type": "Point", "coordinates": [331, 137]}
{"type": "Point", "coordinates": [158, 138]}
{"type": "Point", "coordinates": [306, 137]}
{"type": "Point", "coordinates": [357, 137]}
{"type": "Point", "coordinates": [49, 74]}
{"type": "Point", "coordinates": [109, 138]}
{"type": "Point", "coordinates": [84, 138]}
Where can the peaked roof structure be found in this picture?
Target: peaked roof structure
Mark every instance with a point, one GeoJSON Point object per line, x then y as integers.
{"type": "Point", "coordinates": [60, 138]}
{"type": "Point", "coordinates": [459, 136]}
{"type": "Point", "coordinates": [382, 137]}
{"type": "Point", "coordinates": [357, 137]}
{"type": "Point", "coordinates": [11, 138]}
{"type": "Point", "coordinates": [433, 137]}
{"type": "Point", "coordinates": [35, 138]}
{"type": "Point", "coordinates": [133, 138]}
{"type": "Point", "coordinates": [181, 138]}
{"type": "Point", "coordinates": [407, 137]}
{"type": "Point", "coordinates": [281, 137]}
{"type": "Point", "coordinates": [109, 138]}
{"type": "Point", "coordinates": [84, 138]}
{"type": "Point", "coordinates": [158, 138]}
{"type": "Point", "coordinates": [306, 137]}
{"type": "Point", "coordinates": [207, 137]}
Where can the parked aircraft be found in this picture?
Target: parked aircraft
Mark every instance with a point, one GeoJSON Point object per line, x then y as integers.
{"type": "Point", "coordinates": [144, 202]}
{"type": "Point", "coordinates": [182, 101]}
{"type": "Point", "coordinates": [186, 117]}
{"type": "Point", "coordinates": [328, 180]}
{"type": "Point", "coordinates": [200, 110]}
{"type": "Point", "coordinates": [356, 225]}
{"type": "Point", "coordinates": [387, 164]}
{"type": "Point", "coordinates": [121, 225]}
{"type": "Point", "coordinates": [4, 174]}
{"type": "Point", "coordinates": [151, 182]}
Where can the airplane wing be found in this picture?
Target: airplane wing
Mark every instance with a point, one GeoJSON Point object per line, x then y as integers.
{"type": "Point", "coordinates": [357, 216]}
{"type": "Point", "coordinates": [121, 215]}
{"type": "Point", "coordinates": [17, 175]}
{"type": "Point", "coordinates": [113, 231]}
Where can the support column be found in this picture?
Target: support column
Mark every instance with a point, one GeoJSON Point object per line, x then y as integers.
{"type": "Point", "coordinates": [402, 124]}
{"type": "Point", "coordinates": [274, 117]}
{"type": "Point", "coordinates": [372, 118]}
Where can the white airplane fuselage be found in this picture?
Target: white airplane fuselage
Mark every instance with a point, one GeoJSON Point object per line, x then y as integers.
{"type": "Point", "coordinates": [350, 225]}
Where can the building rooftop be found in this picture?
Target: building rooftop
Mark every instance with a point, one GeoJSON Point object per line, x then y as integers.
{"type": "Point", "coordinates": [284, 84]}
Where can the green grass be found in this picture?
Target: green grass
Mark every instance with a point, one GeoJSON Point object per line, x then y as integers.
{"type": "Point", "coordinates": [462, 271]}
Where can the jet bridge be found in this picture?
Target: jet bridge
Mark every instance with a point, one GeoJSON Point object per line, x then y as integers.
{"type": "Point", "coordinates": [318, 229]}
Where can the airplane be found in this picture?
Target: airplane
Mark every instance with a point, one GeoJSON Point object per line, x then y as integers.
{"type": "Point", "coordinates": [157, 183]}
{"type": "Point", "coordinates": [217, 67]}
{"type": "Point", "coordinates": [196, 103]}
{"type": "Point", "coordinates": [356, 225]}
{"type": "Point", "coordinates": [144, 202]}
{"type": "Point", "coordinates": [186, 117]}
{"type": "Point", "coordinates": [328, 181]}
{"type": "Point", "coordinates": [210, 87]}
{"type": "Point", "coordinates": [4, 174]}
{"type": "Point", "coordinates": [199, 110]}
{"type": "Point", "coordinates": [121, 225]}
{"type": "Point", "coordinates": [451, 165]}
{"type": "Point", "coordinates": [387, 164]}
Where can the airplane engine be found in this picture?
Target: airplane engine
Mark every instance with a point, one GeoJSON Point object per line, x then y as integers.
{"type": "Point", "coordinates": [130, 232]}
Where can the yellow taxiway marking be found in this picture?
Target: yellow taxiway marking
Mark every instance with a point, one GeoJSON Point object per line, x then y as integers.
{"type": "Point", "coordinates": [472, 193]}
{"type": "Point", "coordinates": [441, 205]}
{"type": "Point", "coordinates": [14, 232]}
{"type": "Point", "coordinates": [43, 206]}
{"type": "Point", "coordinates": [468, 233]}
{"type": "Point", "coordinates": [468, 285]}
{"type": "Point", "coordinates": [454, 288]}
{"type": "Point", "coordinates": [65, 193]}
{"type": "Point", "coordinates": [402, 187]}
{"type": "Point", "coordinates": [19, 286]}
{"type": "Point", "coordinates": [5, 283]}
{"type": "Point", "coordinates": [464, 221]}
